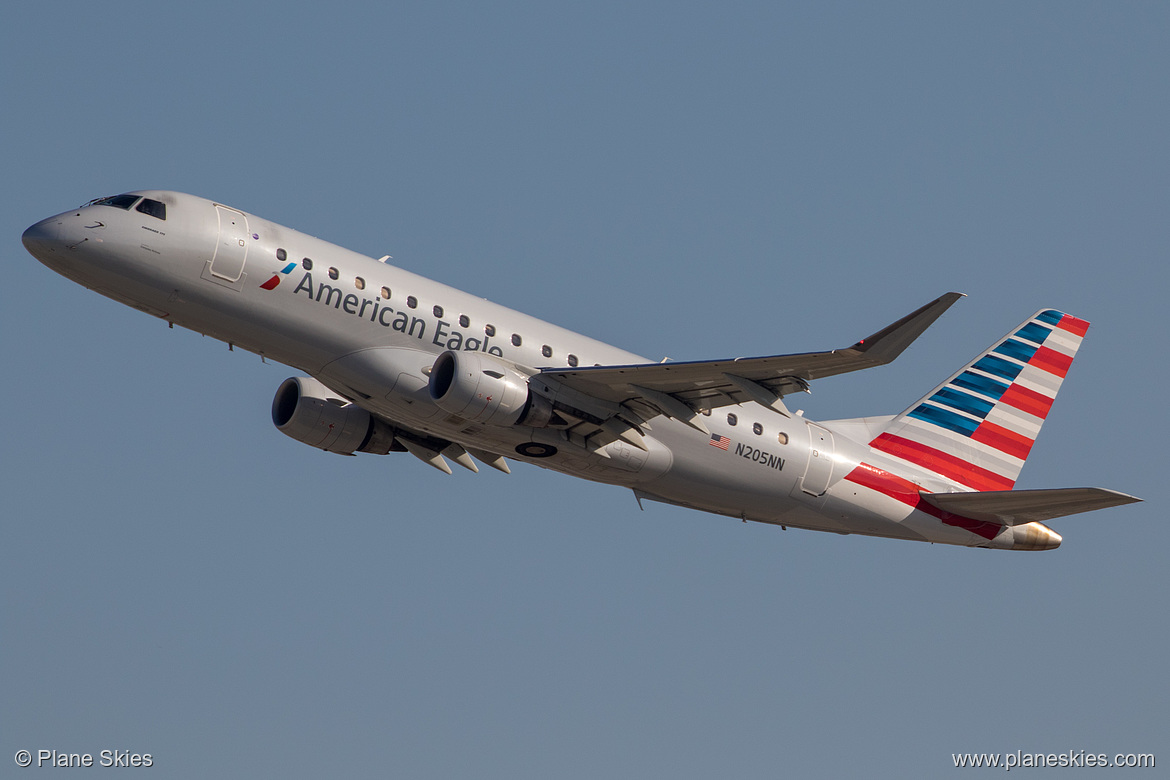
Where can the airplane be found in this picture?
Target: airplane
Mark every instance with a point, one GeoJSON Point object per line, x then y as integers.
{"type": "Point", "coordinates": [396, 362]}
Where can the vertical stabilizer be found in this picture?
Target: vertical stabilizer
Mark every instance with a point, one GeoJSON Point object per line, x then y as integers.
{"type": "Point", "coordinates": [978, 427]}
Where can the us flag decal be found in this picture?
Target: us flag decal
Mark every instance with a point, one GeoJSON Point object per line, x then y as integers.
{"type": "Point", "coordinates": [722, 442]}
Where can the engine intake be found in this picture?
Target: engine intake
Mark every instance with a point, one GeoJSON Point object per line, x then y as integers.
{"type": "Point", "coordinates": [311, 413]}
{"type": "Point", "coordinates": [480, 388]}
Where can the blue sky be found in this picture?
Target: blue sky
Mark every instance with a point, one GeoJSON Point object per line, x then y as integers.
{"type": "Point", "coordinates": [683, 180]}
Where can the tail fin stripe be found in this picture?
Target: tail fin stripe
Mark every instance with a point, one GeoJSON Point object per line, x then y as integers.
{"type": "Point", "coordinates": [966, 447]}
{"type": "Point", "coordinates": [1051, 361]}
{"type": "Point", "coordinates": [1040, 381]}
{"type": "Point", "coordinates": [979, 426]}
{"type": "Point", "coordinates": [1025, 424]}
{"type": "Point", "coordinates": [984, 385]}
{"type": "Point", "coordinates": [1006, 441]}
{"type": "Point", "coordinates": [1034, 332]}
{"type": "Point", "coordinates": [1005, 369]}
{"type": "Point", "coordinates": [939, 462]}
{"type": "Point", "coordinates": [1029, 401]}
{"type": "Point", "coordinates": [1014, 348]}
{"type": "Point", "coordinates": [1064, 341]}
{"type": "Point", "coordinates": [1052, 317]}
{"type": "Point", "coordinates": [945, 418]}
{"type": "Point", "coordinates": [1073, 325]}
{"type": "Point", "coordinates": [964, 402]}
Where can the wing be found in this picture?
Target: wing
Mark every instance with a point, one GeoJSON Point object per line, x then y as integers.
{"type": "Point", "coordinates": [593, 407]}
{"type": "Point", "coordinates": [680, 390]}
{"type": "Point", "coordinates": [1016, 507]}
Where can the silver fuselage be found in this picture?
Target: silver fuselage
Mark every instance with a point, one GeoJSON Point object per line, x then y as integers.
{"type": "Point", "coordinates": [324, 310]}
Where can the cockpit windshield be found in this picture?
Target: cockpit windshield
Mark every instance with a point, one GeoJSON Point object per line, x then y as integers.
{"type": "Point", "coordinates": [149, 207]}
{"type": "Point", "coordinates": [153, 207]}
{"type": "Point", "coordinates": [117, 201]}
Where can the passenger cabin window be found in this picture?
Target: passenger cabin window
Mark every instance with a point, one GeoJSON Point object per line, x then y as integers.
{"type": "Point", "coordinates": [117, 201]}
{"type": "Point", "coordinates": [359, 283]}
{"type": "Point", "coordinates": [333, 274]}
{"type": "Point", "coordinates": [515, 339]}
{"type": "Point", "coordinates": [386, 292]}
{"type": "Point", "coordinates": [307, 264]}
{"type": "Point", "coordinates": [281, 255]}
{"type": "Point", "coordinates": [782, 437]}
{"type": "Point", "coordinates": [732, 419]}
{"type": "Point", "coordinates": [757, 429]}
{"type": "Point", "coordinates": [438, 312]}
{"type": "Point", "coordinates": [153, 208]}
{"type": "Point", "coordinates": [464, 321]}
{"type": "Point", "coordinates": [573, 361]}
{"type": "Point", "coordinates": [412, 302]}
{"type": "Point", "coordinates": [546, 350]}
{"type": "Point", "coordinates": [489, 330]}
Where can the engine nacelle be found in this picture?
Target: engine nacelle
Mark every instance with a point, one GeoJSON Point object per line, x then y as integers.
{"type": "Point", "coordinates": [480, 388]}
{"type": "Point", "coordinates": [311, 413]}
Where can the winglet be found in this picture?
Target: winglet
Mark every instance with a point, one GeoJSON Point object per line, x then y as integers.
{"type": "Point", "coordinates": [889, 342]}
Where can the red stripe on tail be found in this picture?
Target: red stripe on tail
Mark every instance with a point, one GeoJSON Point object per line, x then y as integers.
{"type": "Point", "coordinates": [1073, 325]}
{"type": "Point", "coordinates": [1015, 444]}
{"type": "Point", "coordinates": [1020, 397]}
{"type": "Point", "coordinates": [1051, 361]}
{"type": "Point", "coordinates": [907, 492]}
{"type": "Point", "coordinates": [943, 463]}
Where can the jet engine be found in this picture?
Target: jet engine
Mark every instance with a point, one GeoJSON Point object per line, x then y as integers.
{"type": "Point", "coordinates": [311, 413]}
{"type": "Point", "coordinates": [480, 388]}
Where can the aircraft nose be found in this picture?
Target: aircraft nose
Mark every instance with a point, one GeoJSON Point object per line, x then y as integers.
{"type": "Point", "coordinates": [43, 239]}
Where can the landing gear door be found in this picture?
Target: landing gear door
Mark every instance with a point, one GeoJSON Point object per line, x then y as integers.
{"type": "Point", "coordinates": [819, 471]}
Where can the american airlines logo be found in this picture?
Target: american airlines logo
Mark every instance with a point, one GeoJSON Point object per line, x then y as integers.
{"type": "Point", "coordinates": [275, 280]}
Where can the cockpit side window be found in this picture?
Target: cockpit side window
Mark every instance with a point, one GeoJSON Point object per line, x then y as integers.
{"type": "Point", "coordinates": [153, 208]}
{"type": "Point", "coordinates": [117, 201]}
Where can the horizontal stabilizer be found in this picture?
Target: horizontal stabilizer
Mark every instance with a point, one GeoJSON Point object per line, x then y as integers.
{"type": "Point", "coordinates": [1017, 507]}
